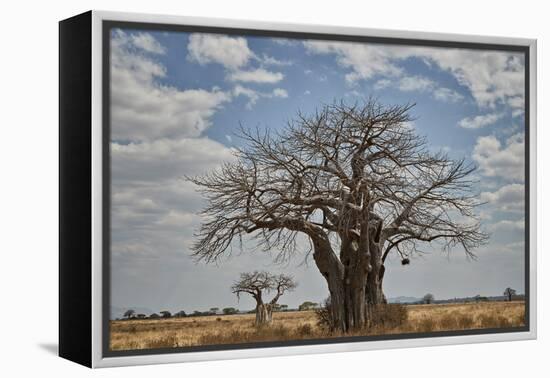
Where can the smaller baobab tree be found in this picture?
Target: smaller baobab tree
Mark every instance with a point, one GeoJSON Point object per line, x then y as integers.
{"type": "Point", "coordinates": [428, 298]}
{"type": "Point", "coordinates": [129, 314]}
{"type": "Point", "coordinates": [509, 293]}
{"type": "Point", "coordinates": [259, 283]}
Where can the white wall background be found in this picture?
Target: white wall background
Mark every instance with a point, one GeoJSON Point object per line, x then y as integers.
{"type": "Point", "coordinates": [28, 165]}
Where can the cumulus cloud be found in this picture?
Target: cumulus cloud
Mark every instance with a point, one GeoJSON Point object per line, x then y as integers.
{"type": "Point", "coordinates": [417, 83]}
{"type": "Point", "coordinates": [145, 41]}
{"type": "Point", "coordinates": [447, 95]}
{"type": "Point", "coordinates": [480, 120]}
{"type": "Point", "coordinates": [501, 160]}
{"type": "Point", "coordinates": [234, 54]}
{"type": "Point", "coordinates": [142, 109]}
{"type": "Point", "coordinates": [280, 92]}
{"type": "Point", "coordinates": [254, 96]}
{"type": "Point", "coordinates": [365, 61]}
{"type": "Point", "coordinates": [157, 140]}
{"type": "Point", "coordinates": [492, 77]}
{"type": "Point", "coordinates": [271, 61]}
{"type": "Point", "coordinates": [507, 198]}
{"type": "Point", "coordinates": [231, 52]}
{"type": "Point", "coordinates": [164, 159]}
{"type": "Point", "coordinates": [508, 225]}
{"type": "Point", "coordinates": [259, 75]}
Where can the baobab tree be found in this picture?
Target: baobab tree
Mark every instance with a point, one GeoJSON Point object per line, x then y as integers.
{"type": "Point", "coordinates": [129, 314]}
{"type": "Point", "coordinates": [259, 283]}
{"type": "Point", "coordinates": [358, 182]}
{"type": "Point", "coordinates": [509, 293]}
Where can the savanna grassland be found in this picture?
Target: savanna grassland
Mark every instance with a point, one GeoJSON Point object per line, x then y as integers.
{"type": "Point", "coordinates": [297, 325]}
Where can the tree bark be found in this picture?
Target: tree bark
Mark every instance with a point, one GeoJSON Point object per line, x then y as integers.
{"type": "Point", "coordinates": [333, 271]}
{"type": "Point", "coordinates": [264, 314]}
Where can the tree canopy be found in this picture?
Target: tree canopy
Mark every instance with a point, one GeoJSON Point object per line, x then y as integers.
{"type": "Point", "coordinates": [321, 173]}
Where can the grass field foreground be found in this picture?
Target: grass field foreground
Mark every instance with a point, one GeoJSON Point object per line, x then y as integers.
{"type": "Point", "coordinates": [298, 325]}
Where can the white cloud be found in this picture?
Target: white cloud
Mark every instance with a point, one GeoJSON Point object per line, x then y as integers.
{"type": "Point", "coordinates": [152, 203]}
{"type": "Point", "coordinates": [285, 41]}
{"type": "Point", "coordinates": [258, 75]}
{"type": "Point", "coordinates": [231, 52]}
{"type": "Point", "coordinates": [280, 92]}
{"type": "Point", "coordinates": [136, 41]}
{"type": "Point", "coordinates": [364, 60]}
{"type": "Point", "coordinates": [420, 84]}
{"type": "Point", "coordinates": [166, 158]}
{"type": "Point", "coordinates": [143, 110]}
{"type": "Point", "coordinates": [415, 83]}
{"type": "Point", "coordinates": [254, 95]}
{"type": "Point", "coordinates": [234, 54]}
{"type": "Point", "coordinates": [382, 84]}
{"type": "Point", "coordinates": [480, 120]}
{"type": "Point", "coordinates": [507, 198]}
{"type": "Point", "coordinates": [492, 77]}
{"type": "Point", "coordinates": [497, 160]}
{"type": "Point", "coordinates": [145, 41]}
{"type": "Point", "coordinates": [447, 95]}
{"type": "Point", "coordinates": [271, 61]}
{"type": "Point", "coordinates": [508, 225]}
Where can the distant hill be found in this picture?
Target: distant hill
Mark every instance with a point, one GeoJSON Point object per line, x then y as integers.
{"type": "Point", "coordinates": [413, 300]}
{"type": "Point", "coordinates": [118, 312]}
{"type": "Point", "coordinates": [404, 299]}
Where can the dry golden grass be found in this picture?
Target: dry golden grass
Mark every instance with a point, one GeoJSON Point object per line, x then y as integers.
{"type": "Point", "coordinates": [231, 329]}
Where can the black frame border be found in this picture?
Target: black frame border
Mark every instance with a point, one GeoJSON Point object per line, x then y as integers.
{"type": "Point", "coordinates": [108, 25]}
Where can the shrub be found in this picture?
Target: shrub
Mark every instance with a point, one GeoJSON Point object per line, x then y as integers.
{"type": "Point", "coordinates": [388, 315]}
{"type": "Point", "coordinates": [304, 330]}
{"type": "Point", "coordinates": [324, 315]}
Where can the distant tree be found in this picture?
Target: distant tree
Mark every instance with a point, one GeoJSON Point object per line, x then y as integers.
{"type": "Point", "coordinates": [284, 307]}
{"type": "Point", "coordinates": [141, 316]}
{"type": "Point", "coordinates": [259, 283]}
{"type": "Point", "coordinates": [129, 314]}
{"type": "Point", "coordinates": [214, 310]}
{"type": "Point", "coordinates": [428, 298]}
{"type": "Point", "coordinates": [307, 305]}
{"type": "Point", "coordinates": [166, 314]}
{"type": "Point", "coordinates": [197, 313]}
{"type": "Point", "coordinates": [154, 316]}
{"type": "Point", "coordinates": [509, 293]}
{"type": "Point", "coordinates": [229, 311]}
{"type": "Point", "coordinates": [480, 298]}
{"type": "Point", "coordinates": [180, 314]}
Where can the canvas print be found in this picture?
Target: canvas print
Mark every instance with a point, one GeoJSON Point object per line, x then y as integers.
{"type": "Point", "coordinates": [270, 189]}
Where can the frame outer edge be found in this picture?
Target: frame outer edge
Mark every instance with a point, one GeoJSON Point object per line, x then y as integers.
{"type": "Point", "coordinates": [97, 192]}
{"type": "Point", "coordinates": [97, 357]}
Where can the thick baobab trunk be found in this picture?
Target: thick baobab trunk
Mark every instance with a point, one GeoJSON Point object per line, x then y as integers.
{"type": "Point", "coordinates": [346, 283]}
{"type": "Point", "coordinates": [355, 305]}
{"type": "Point", "coordinates": [355, 283]}
{"type": "Point", "coordinates": [373, 290]}
{"type": "Point", "coordinates": [264, 314]}
{"type": "Point", "coordinates": [333, 271]}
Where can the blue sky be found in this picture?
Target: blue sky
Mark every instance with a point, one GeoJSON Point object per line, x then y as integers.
{"type": "Point", "coordinates": [177, 102]}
